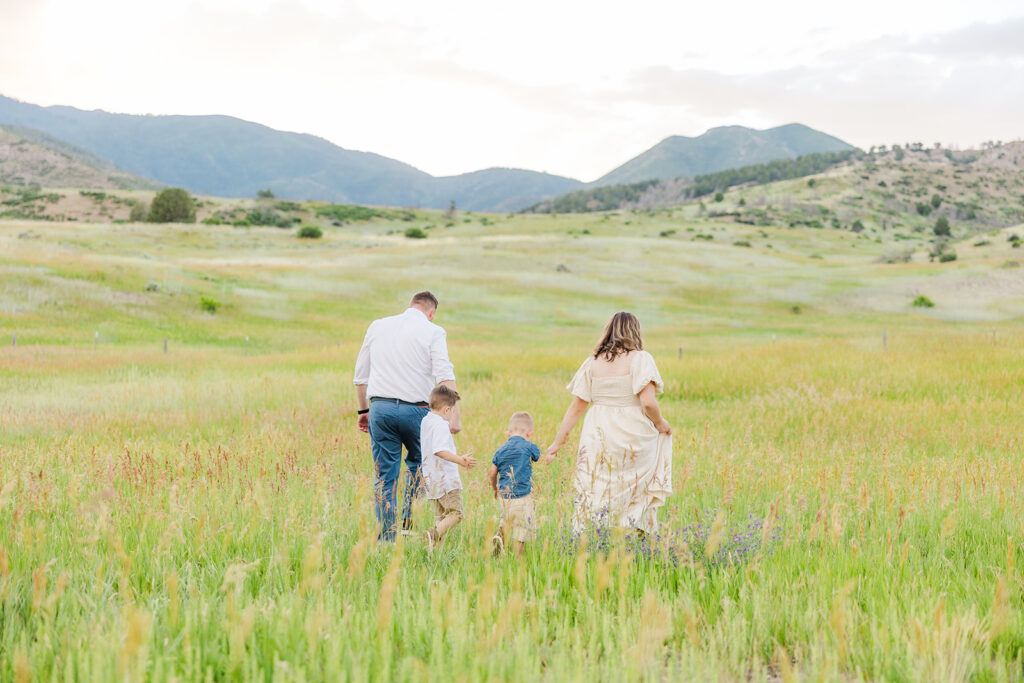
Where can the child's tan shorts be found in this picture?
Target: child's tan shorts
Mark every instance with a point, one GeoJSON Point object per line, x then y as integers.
{"type": "Point", "coordinates": [519, 516]}
{"type": "Point", "coordinates": [448, 504]}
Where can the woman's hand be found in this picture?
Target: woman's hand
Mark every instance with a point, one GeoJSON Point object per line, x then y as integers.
{"type": "Point", "coordinates": [663, 426]}
{"type": "Point", "coordinates": [551, 453]}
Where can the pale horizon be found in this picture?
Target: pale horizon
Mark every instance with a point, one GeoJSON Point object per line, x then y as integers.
{"type": "Point", "coordinates": [562, 89]}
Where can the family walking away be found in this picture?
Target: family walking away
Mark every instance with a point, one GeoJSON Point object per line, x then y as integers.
{"type": "Point", "coordinates": [407, 397]}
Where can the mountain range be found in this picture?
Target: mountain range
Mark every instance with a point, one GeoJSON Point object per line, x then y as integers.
{"type": "Point", "coordinates": [230, 157]}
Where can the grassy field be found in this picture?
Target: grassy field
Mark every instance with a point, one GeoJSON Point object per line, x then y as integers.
{"type": "Point", "coordinates": [205, 513]}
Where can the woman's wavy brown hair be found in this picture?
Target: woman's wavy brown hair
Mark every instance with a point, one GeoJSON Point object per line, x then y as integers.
{"type": "Point", "coordinates": [621, 335]}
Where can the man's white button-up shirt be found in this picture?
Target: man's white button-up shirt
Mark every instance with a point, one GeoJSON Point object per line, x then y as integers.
{"type": "Point", "coordinates": [403, 356]}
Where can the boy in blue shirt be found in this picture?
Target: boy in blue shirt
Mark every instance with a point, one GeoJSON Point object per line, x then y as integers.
{"type": "Point", "coordinates": [511, 477]}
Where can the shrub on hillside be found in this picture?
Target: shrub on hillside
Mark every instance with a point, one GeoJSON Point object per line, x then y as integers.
{"type": "Point", "coordinates": [947, 256]}
{"type": "Point", "coordinates": [348, 212]}
{"type": "Point", "coordinates": [415, 233]}
{"type": "Point", "coordinates": [311, 232]}
{"type": "Point", "coordinates": [922, 302]}
{"type": "Point", "coordinates": [209, 304]}
{"type": "Point", "coordinates": [263, 217]}
{"type": "Point", "coordinates": [173, 205]}
{"type": "Point", "coordinates": [139, 212]}
{"type": "Point", "coordinates": [942, 227]}
{"type": "Point", "coordinates": [211, 220]}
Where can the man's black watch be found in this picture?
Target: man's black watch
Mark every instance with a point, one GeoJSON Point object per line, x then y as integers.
{"type": "Point", "coordinates": [364, 411]}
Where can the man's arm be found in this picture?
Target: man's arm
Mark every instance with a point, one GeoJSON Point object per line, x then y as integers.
{"type": "Point", "coordinates": [444, 373]}
{"type": "Point", "coordinates": [361, 378]}
{"type": "Point", "coordinates": [363, 420]}
{"type": "Point", "coordinates": [454, 417]}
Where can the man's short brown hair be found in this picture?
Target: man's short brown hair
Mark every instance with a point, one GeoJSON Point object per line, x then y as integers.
{"type": "Point", "coordinates": [520, 421]}
{"type": "Point", "coordinates": [424, 298]}
{"type": "Point", "coordinates": [442, 397]}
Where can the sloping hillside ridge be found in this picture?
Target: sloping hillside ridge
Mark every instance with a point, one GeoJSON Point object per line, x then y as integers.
{"type": "Point", "coordinates": [719, 149]}
{"type": "Point", "coordinates": [29, 157]}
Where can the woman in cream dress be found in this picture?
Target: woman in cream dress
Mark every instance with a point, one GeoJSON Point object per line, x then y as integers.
{"type": "Point", "coordinates": [624, 463]}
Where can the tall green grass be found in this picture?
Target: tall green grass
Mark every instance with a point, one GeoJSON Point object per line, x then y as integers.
{"type": "Point", "coordinates": [207, 513]}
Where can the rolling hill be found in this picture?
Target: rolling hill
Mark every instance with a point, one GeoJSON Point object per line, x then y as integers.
{"type": "Point", "coordinates": [229, 157]}
{"type": "Point", "coordinates": [719, 149]}
{"type": "Point", "coordinates": [28, 157]}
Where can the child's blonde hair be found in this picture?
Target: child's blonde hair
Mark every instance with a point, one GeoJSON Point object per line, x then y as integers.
{"type": "Point", "coordinates": [520, 422]}
{"type": "Point", "coordinates": [443, 397]}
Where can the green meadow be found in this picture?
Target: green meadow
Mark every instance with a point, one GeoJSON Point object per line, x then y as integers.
{"type": "Point", "coordinates": [204, 512]}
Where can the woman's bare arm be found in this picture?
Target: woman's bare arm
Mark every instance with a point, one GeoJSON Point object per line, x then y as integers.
{"type": "Point", "coordinates": [572, 416]}
{"type": "Point", "coordinates": [649, 403]}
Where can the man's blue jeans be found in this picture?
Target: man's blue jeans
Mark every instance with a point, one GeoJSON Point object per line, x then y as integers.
{"type": "Point", "coordinates": [393, 425]}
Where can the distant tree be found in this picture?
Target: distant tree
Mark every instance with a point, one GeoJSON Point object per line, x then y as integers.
{"type": "Point", "coordinates": [719, 196]}
{"type": "Point", "coordinates": [923, 209]}
{"type": "Point", "coordinates": [265, 194]}
{"type": "Point", "coordinates": [173, 205]}
{"type": "Point", "coordinates": [898, 151]}
{"type": "Point", "coordinates": [812, 182]}
{"type": "Point", "coordinates": [942, 227]}
{"type": "Point", "coordinates": [936, 201]}
{"type": "Point", "coordinates": [857, 226]}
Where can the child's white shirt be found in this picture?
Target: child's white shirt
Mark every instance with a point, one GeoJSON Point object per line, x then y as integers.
{"type": "Point", "coordinates": [439, 475]}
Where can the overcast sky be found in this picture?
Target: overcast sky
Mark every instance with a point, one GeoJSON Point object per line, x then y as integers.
{"type": "Point", "coordinates": [571, 87]}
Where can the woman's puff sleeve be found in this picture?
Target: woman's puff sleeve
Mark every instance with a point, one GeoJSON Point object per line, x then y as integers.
{"type": "Point", "coordinates": [580, 384]}
{"type": "Point", "coordinates": [643, 371]}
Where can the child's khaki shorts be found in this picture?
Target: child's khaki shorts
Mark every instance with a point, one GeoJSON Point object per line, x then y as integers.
{"type": "Point", "coordinates": [519, 516]}
{"type": "Point", "coordinates": [448, 504]}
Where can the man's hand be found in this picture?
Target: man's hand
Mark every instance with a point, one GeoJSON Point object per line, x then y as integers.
{"type": "Point", "coordinates": [468, 461]}
{"type": "Point", "coordinates": [363, 423]}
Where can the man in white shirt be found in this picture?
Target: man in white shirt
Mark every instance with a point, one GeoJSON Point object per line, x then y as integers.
{"type": "Point", "coordinates": [402, 358]}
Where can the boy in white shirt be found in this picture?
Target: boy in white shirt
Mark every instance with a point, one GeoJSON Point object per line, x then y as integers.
{"type": "Point", "coordinates": [440, 470]}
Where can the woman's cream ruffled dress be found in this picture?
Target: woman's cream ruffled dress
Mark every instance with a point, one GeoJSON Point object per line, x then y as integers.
{"type": "Point", "coordinates": [624, 465]}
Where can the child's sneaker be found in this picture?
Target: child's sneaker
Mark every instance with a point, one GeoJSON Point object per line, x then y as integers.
{"type": "Point", "coordinates": [497, 545]}
{"type": "Point", "coordinates": [407, 528]}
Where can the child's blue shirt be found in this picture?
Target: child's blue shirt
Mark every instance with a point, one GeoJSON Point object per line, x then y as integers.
{"type": "Point", "coordinates": [514, 461]}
